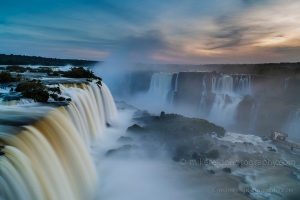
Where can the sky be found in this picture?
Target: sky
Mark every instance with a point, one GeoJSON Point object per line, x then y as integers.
{"type": "Point", "coordinates": [152, 31]}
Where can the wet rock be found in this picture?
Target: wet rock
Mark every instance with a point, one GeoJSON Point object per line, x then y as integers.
{"type": "Point", "coordinates": [227, 169]}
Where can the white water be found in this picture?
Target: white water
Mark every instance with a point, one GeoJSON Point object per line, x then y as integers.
{"type": "Point", "coordinates": [176, 88]}
{"type": "Point", "coordinates": [160, 87]}
{"type": "Point", "coordinates": [202, 106]}
{"type": "Point", "coordinates": [286, 84]}
{"type": "Point", "coordinates": [222, 112]}
{"type": "Point", "coordinates": [226, 84]}
{"type": "Point", "coordinates": [51, 159]}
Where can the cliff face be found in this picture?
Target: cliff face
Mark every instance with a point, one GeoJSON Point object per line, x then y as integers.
{"type": "Point", "coordinates": [249, 103]}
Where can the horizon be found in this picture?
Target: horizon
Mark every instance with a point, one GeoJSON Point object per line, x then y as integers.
{"type": "Point", "coordinates": [171, 32]}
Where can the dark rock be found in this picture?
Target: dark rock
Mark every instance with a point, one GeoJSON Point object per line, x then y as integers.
{"type": "Point", "coordinates": [124, 139]}
{"type": "Point", "coordinates": [227, 169]}
{"type": "Point", "coordinates": [238, 163]}
{"type": "Point", "coordinates": [136, 129]}
{"type": "Point", "coordinates": [248, 143]}
{"type": "Point", "coordinates": [211, 171]}
{"type": "Point", "coordinates": [162, 114]}
{"type": "Point", "coordinates": [271, 149]}
{"type": "Point", "coordinates": [264, 138]}
{"type": "Point", "coordinates": [2, 153]}
{"type": "Point", "coordinates": [213, 154]}
{"type": "Point", "coordinates": [107, 125]}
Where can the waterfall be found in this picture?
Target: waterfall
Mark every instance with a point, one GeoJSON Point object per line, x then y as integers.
{"type": "Point", "coordinates": [161, 87]}
{"type": "Point", "coordinates": [286, 84]}
{"type": "Point", "coordinates": [176, 88]}
{"type": "Point", "coordinates": [229, 93]}
{"type": "Point", "coordinates": [253, 116]}
{"type": "Point", "coordinates": [292, 126]}
{"type": "Point", "coordinates": [50, 159]}
{"type": "Point", "coordinates": [243, 85]}
{"type": "Point", "coordinates": [224, 109]}
{"type": "Point", "coordinates": [176, 82]}
{"type": "Point", "coordinates": [202, 105]}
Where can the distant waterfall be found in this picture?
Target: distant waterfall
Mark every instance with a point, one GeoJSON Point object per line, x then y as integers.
{"type": "Point", "coordinates": [292, 126]}
{"type": "Point", "coordinates": [202, 105]}
{"type": "Point", "coordinates": [253, 116]}
{"type": "Point", "coordinates": [286, 84]}
{"type": "Point", "coordinates": [224, 109]}
{"type": "Point", "coordinates": [50, 159]}
{"type": "Point", "coordinates": [161, 87]}
{"type": "Point", "coordinates": [243, 85]}
{"type": "Point", "coordinates": [229, 93]}
{"type": "Point", "coordinates": [226, 84]}
{"type": "Point", "coordinates": [176, 88]}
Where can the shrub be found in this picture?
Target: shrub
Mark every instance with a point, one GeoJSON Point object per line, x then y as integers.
{"type": "Point", "coordinates": [5, 77]}
{"type": "Point", "coordinates": [33, 89]}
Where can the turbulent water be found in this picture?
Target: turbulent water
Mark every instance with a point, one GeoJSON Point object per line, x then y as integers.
{"type": "Point", "coordinates": [161, 87]}
{"type": "Point", "coordinates": [58, 151]}
{"type": "Point", "coordinates": [50, 159]}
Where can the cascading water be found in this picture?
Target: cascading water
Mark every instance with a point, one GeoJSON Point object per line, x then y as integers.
{"type": "Point", "coordinates": [229, 93]}
{"type": "Point", "coordinates": [253, 116]}
{"type": "Point", "coordinates": [161, 87]}
{"type": "Point", "coordinates": [224, 109]}
{"type": "Point", "coordinates": [50, 159]}
{"type": "Point", "coordinates": [202, 105]}
{"type": "Point", "coordinates": [176, 88]}
{"type": "Point", "coordinates": [286, 84]}
{"type": "Point", "coordinates": [292, 126]}
{"type": "Point", "coordinates": [243, 84]}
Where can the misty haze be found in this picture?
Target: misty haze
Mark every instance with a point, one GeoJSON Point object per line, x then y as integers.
{"type": "Point", "coordinates": [150, 100]}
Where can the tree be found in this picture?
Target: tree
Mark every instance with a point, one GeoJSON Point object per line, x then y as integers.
{"type": "Point", "coordinates": [5, 77]}
{"type": "Point", "coordinates": [33, 89]}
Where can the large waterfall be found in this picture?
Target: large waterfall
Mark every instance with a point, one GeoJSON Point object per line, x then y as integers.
{"type": "Point", "coordinates": [50, 159]}
{"type": "Point", "coordinates": [161, 89]}
{"type": "Point", "coordinates": [229, 93]}
{"type": "Point", "coordinates": [240, 85]}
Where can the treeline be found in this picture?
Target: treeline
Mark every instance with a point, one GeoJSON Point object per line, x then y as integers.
{"type": "Point", "coordinates": [269, 69]}
{"type": "Point", "coordinates": [37, 60]}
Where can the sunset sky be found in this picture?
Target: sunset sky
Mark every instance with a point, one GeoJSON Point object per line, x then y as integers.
{"type": "Point", "coordinates": [152, 31]}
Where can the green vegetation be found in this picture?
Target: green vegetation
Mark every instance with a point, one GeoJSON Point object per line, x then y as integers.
{"type": "Point", "coordinates": [16, 68]}
{"type": "Point", "coordinates": [38, 91]}
{"type": "Point", "coordinates": [174, 125]}
{"type": "Point", "coordinates": [80, 72]}
{"type": "Point", "coordinates": [7, 77]}
{"type": "Point", "coordinates": [33, 89]}
{"type": "Point", "coordinates": [37, 60]}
